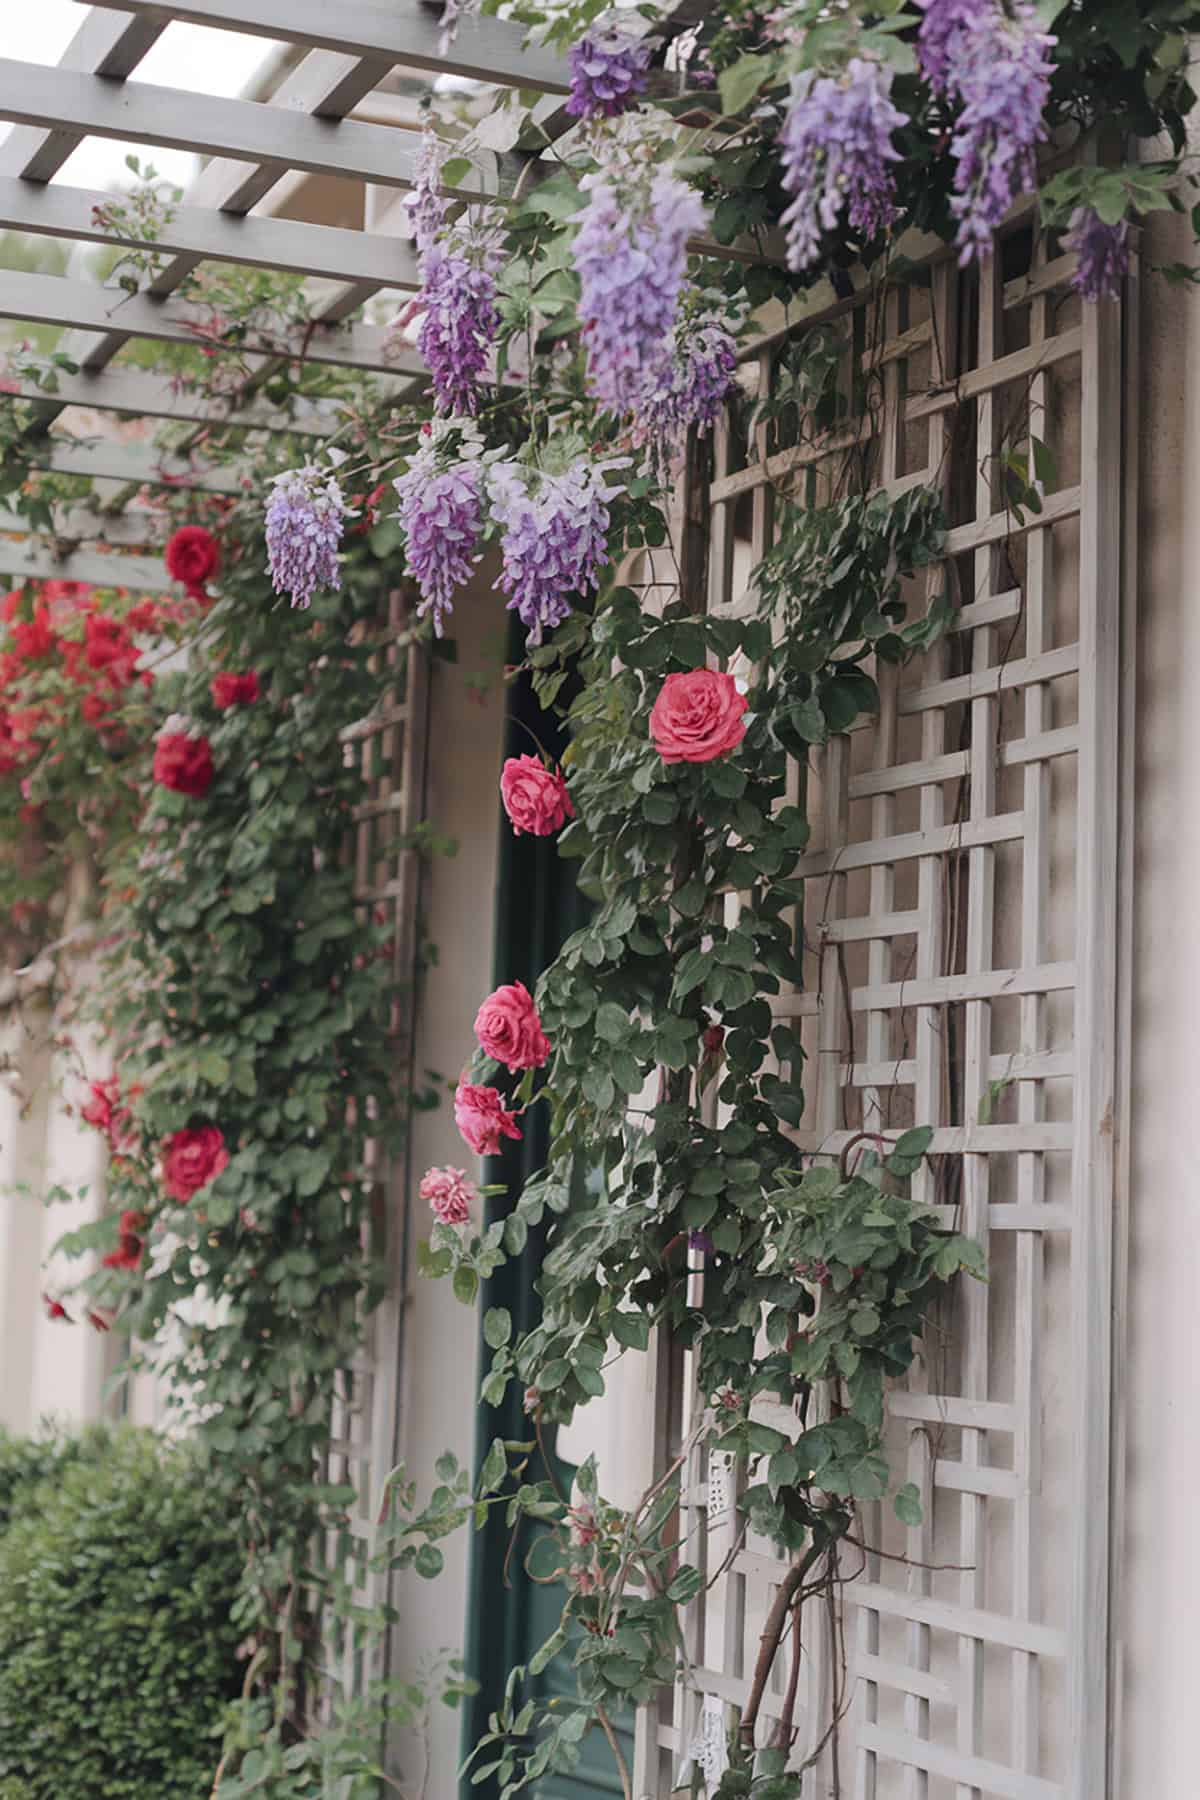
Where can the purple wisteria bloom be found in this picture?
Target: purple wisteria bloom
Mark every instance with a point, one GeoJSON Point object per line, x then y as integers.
{"type": "Point", "coordinates": [1103, 252]}
{"type": "Point", "coordinates": [461, 318]}
{"type": "Point", "coordinates": [996, 62]}
{"type": "Point", "coordinates": [425, 205]}
{"type": "Point", "coordinates": [631, 262]}
{"type": "Point", "coordinates": [687, 387]}
{"type": "Point", "coordinates": [553, 538]}
{"type": "Point", "coordinates": [457, 302]}
{"type": "Point", "coordinates": [306, 516]}
{"type": "Point", "coordinates": [837, 151]}
{"type": "Point", "coordinates": [608, 72]}
{"type": "Point", "coordinates": [940, 28]}
{"type": "Point", "coordinates": [441, 516]}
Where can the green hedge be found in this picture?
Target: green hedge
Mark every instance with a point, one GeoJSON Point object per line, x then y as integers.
{"type": "Point", "coordinates": [118, 1570]}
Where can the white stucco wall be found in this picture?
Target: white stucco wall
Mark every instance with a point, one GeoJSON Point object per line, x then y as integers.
{"type": "Point", "coordinates": [439, 1377]}
{"type": "Point", "coordinates": [48, 1369]}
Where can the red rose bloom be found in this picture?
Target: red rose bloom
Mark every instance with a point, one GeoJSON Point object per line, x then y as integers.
{"type": "Point", "coordinates": [697, 716]}
{"type": "Point", "coordinates": [183, 763]}
{"type": "Point", "coordinates": [235, 690]}
{"type": "Point", "coordinates": [535, 797]}
{"type": "Point", "coordinates": [192, 556]}
{"type": "Point", "coordinates": [191, 1159]}
{"type": "Point", "coordinates": [34, 638]}
{"type": "Point", "coordinates": [55, 1308]}
{"type": "Point", "coordinates": [509, 1029]}
{"type": "Point", "coordinates": [128, 1253]}
{"type": "Point", "coordinates": [481, 1118]}
{"type": "Point", "coordinates": [108, 646]}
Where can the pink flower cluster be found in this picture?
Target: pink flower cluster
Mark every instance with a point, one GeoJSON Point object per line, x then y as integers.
{"type": "Point", "coordinates": [535, 796]}
{"type": "Point", "coordinates": [449, 1193]}
{"type": "Point", "coordinates": [698, 716]}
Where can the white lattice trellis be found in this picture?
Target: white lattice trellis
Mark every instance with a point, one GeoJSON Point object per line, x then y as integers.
{"type": "Point", "coordinates": [959, 951]}
{"type": "Point", "coordinates": [389, 746]}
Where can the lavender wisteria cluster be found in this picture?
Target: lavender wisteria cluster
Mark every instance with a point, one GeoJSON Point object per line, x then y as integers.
{"type": "Point", "coordinates": [837, 152]}
{"type": "Point", "coordinates": [1103, 253]}
{"type": "Point", "coordinates": [553, 537]}
{"type": "Point", "coordinates": [441, 513]}
{"type": "Point", "coordinates": [608, 72]}
{"type": "Point", "coordinates": [686, 388]}
{"type": "Point", "coordinates": [995, 62]}
{"type": "Point", "coordinates": [306, 516]}
{"type": "Point", "coordinates": [459, 261]}
{"type": "Point", "coordinates": [630, 254]}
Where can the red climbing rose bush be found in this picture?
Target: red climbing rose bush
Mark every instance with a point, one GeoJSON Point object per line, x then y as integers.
{"type": "Point", "coordinates": [77, 678]}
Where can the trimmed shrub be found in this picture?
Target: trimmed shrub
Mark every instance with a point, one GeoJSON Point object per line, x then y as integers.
{"type": "Point", "coordinates": [118, 1574]}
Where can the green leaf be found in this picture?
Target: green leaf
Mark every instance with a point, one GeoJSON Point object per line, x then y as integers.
{"type": "Point", "coordinates": [739, 83]}
{"type": "Point", "coordinates": [465, 1284]}
{"type": "Point", "coordinates": [908, 1504]}
{"type": "Point", "coordinates": [497, 1327]}
{"type": "Point", "coordinates": [685, 1585]}
{"type": "Point", "coordinates": [429, 1561]}
{"type": "Point", "coordinates": [495, 1468]}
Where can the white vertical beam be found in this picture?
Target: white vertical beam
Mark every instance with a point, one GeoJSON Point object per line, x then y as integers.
{"type": "Point", "coordinates": [1094, 1166]}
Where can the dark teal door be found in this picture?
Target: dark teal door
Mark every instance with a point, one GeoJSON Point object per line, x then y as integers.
{"type": "Point", "coordinates": [509, 1618]}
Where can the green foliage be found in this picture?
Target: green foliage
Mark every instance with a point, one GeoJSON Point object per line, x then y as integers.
{"type": "Point", "coordinates": [836, 1267]}
{"type": "Point", "coordinates": [118, 1644]}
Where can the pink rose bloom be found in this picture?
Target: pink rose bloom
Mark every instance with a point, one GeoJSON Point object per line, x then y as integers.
{"type": "Point", "coordinates": [697, 717]}
{"type": "Point", "coordinates": [481, 1118]}
{"type": "Point", "coordinates": [449, 1193]}
{"type": "Point", "coordinates": [191, 1159]}
{"type": "Point", "coordinates": [535, 797]}
{"type": "Point", "coordinates": [509, 1029]}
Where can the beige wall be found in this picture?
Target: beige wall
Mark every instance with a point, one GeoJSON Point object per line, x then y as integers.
{"type": "Point", "coordinates": [47, 1369]}
{"type": "Point", "coordinates": [438, 1375]}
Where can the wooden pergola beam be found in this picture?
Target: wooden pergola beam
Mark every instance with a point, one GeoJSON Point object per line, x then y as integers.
{"type": "Point", "coordinates": [404, 31]}
{"type": "Point", "coordinates": [147, 395]}
{"type": "Point", "coordinates": [134, 528]}
{"type": "Point", "coordinates": [33, 558]}
{"type": "Point", "coordinates": [328, 252]}
{"type": "Point", "coordinates": [61, 300]}
{"type": "Point", "coordinates": [170, 118]}
{"type": "Point", "coordinates": [108, 44]}
{"type": "Point", "coordinates": [102, 459]}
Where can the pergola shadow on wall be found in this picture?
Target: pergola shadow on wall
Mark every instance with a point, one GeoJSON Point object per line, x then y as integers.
{"type": "Point", "coordinates": [960, 913]}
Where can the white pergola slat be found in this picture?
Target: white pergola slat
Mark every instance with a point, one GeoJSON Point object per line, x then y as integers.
{"type": "Point", "coordinates": [104, 460]}
{"type": "Point", "coordinates": [170, 118]}
{"type": "Point", "coordinates": [151, 396]}
{"type": "Point", "coordinates": [60, 300]}
{"type": "Point", "coordinates": [131, 528]}
{"type": "Point", "coordinates": [404, 31]}
{"type": "Point", "coordinates": [33, 560]}
{"type": "Point", "coordinates": [328, 252]}
{"type": "Point", "coordinates": [108, 44]}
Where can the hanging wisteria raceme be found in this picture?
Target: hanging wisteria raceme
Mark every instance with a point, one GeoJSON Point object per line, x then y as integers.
{"type": "Point", "coordinates": [458, 293]}
{"type": "Point", "coordinates": [608, 72]}
{"type": "Point", "coordinates": [686, 388]}
{"type": "Point", "coordinates": [457, 302]}
{"type": "Point", "coordinates": [837, 151]}
{"type": "Point", "coordinates": [425, 206]}
{"type": "Point", "coordinates": [937, 39]}
{"type": "Point", "coordinates": [306, 516]}
{"type": "Point", "coordinates": [441, 513]}
{"type": "Point", "coordinates": [631, 259]}
{"type": "Point", "coordinates": [553, 537]}
{"type": "Point", "coordinates": [1103, 252]}
{"type": "Point", "coordinates": [996, 62]}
